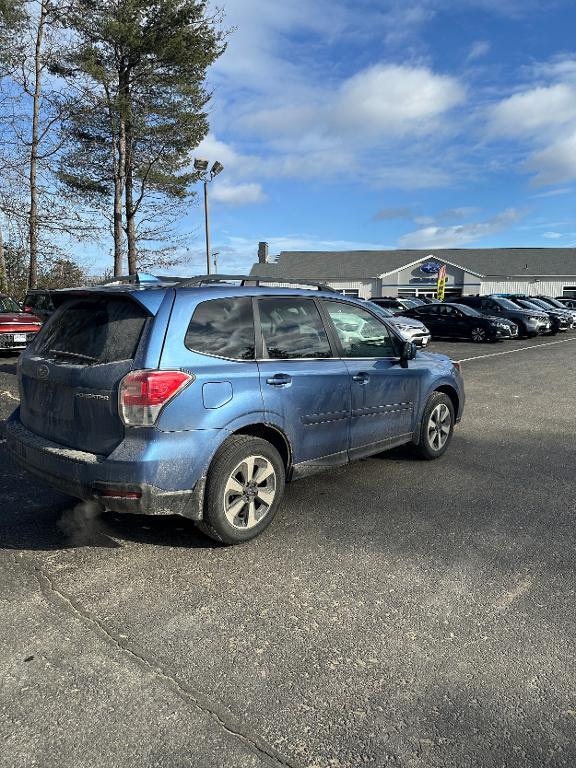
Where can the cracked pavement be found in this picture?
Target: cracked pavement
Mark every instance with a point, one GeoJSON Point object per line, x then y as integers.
{"type": "Point", "coordinates": [416, 614]}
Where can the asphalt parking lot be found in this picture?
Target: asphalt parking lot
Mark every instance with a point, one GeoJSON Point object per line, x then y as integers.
{"type": "Point", "coordinates": [397, 612]}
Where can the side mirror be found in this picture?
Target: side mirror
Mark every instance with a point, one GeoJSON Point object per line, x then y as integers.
{"type": "Point", "coordinates": [408, 351]}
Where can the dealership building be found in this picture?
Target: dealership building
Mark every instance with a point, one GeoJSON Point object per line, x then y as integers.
{"type": "Point", "coordinates": [469, 271]}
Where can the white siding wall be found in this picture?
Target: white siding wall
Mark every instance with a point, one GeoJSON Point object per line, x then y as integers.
{"type": "Point", "coordinates": [365, 288]}
{"type": "Point", "coordinates": [543, 287]}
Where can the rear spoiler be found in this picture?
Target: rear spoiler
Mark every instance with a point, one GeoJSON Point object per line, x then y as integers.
{"type": "Point", "coordinates": [149, 300]}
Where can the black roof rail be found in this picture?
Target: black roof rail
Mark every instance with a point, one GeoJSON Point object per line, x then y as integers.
{"type": "Point", "coordinates": [199, 280]}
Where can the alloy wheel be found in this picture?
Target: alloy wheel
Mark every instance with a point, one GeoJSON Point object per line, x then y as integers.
{"type": "Point", "coordinates": [478, 334]}
{"type": "Point", "coordinates": [439, 425]}
{"type": "Point", "coordinates": [250, 492]}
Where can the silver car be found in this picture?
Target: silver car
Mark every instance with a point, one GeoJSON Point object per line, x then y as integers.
{"type": "Point", "coordinates": [410, 328]}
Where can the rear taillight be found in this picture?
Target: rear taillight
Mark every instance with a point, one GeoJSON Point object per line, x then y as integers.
{"type": "Point", "coordinates": [143, 394]}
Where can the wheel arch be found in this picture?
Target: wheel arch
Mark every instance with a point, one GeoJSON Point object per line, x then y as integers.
{"type": "Point", "coordinates": [452, 394]}
{"type": "Point", "coordinates": [274, 436]}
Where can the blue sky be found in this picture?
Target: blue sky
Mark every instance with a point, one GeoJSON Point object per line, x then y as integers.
{"type": "Point", "coordinates": [390, 124]}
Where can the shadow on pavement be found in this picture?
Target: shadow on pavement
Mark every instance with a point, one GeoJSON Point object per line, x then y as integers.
{"type": "Point", "coordinates": [163, 530]}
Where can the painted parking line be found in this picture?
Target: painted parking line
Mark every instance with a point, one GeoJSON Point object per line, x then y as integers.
{"type": "Point", "coordinates": [514, 351]}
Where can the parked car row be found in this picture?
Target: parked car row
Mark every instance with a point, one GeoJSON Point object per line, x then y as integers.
{"type": "Point", "coordinates": [479, 318]}
{"type": "Point", "coordinates": [417, 319]}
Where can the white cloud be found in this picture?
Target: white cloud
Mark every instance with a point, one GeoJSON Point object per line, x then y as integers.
{"type": "Point", "coordinates": [380, 101]}
{"type": "Point", "coordinates": [555, 192]}
{"type": "Point", "coordinates": [237, 194]}
{"type": "Point", "coordinates": [534, 110]}
{"type": "Point", "coordinates": [452, 237]}
{"type": "Point", "coordinates": [552, 235]}
{"type": "Point", "coordinates": [556, 163]}
{"type": "Point", "coordinates": [393, 99]}
{"type": "Point", "coordinates": [543, 117]}
{"type": "Point", "coordinates": [479, 49]}
{"type": "Point", "coordinates": [295, 113]}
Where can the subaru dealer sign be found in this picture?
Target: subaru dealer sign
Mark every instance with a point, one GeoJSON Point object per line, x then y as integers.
{"type": "Point", "coordinates": [430, 267]}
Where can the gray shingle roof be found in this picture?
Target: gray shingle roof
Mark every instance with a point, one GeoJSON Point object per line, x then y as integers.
{"type": "Point", "coordinates": [325, 265]}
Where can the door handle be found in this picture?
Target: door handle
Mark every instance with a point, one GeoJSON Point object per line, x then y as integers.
{"type": "Point", "coordinates": [279, 380]}
{"type": "Point", "coordinates": [361, 378]}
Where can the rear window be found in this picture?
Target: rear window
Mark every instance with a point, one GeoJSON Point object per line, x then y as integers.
{"type": "Point", "coordinates": [95, 331]}
{"type": "Point", "coordinates": [224, 328]}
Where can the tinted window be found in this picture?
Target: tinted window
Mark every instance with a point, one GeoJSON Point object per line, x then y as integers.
{"type": "Point", "coordinates": [292, 328]}
{"type": "Point", "coordinates": [223, 327]}
{"type": "Point", "coordinates": [93, 331]}
{"type": "Point", "coordinates": [360, 333]}
{"type": "Point", "coordinates": [427, 309]}
{"type": "Point", "coordinates": [451, 311]}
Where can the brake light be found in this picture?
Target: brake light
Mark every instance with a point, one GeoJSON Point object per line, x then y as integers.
{"type": "Point", "coordinates": [143, 394]}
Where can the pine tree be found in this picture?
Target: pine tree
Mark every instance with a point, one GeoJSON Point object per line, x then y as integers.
{"type": "Point", "coordinates": [140, 68]}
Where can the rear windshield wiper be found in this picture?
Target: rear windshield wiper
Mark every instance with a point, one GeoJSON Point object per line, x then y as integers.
{"type": "Point", "coordinates": [76, 355]}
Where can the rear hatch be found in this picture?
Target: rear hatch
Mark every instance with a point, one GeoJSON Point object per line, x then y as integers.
{"type": "Point", "coordinates": [69, 377]}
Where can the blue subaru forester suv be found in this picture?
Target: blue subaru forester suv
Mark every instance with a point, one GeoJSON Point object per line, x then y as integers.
{"type": "Point", "coordinates": [203, 397]}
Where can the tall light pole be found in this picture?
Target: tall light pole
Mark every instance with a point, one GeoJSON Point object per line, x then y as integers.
{"type": "Point", "coordinates": [207, 176]}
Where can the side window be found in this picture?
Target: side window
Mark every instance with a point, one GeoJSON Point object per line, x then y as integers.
{"type": "Point", "coordinates": [450, 311]}
{"type": "Point", "coordinates": [489, 304]}
{"type": "Point", "coordinates": [360, 333]}
{"type": "Point", "coordinates": [223, 327]}
{"type": "Point", "coordinates": [292, 328]}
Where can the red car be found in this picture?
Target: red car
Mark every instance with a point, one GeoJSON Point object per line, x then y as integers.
{"type": "Point", "coordinates": [17, 328]}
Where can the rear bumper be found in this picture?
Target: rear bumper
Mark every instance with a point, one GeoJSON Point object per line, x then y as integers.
{"type": "Point", "coordinates": [116, 483]}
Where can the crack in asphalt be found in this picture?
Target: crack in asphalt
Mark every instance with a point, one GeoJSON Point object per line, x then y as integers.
{"type": "Point", "coordinates": [226, 719]}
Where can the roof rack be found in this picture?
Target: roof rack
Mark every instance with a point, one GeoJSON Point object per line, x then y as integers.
{"type": "Point", "coordinates": [200, 280]}
{"type": "Point", "coordinates": [146, 279]}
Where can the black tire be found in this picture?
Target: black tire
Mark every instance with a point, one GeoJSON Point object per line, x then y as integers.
{"type": "Point", "coordinates": [425, 447]}
{"type": "Point", "coordinates": [523, 331]}
{"type": "Point", "coordinates": [230, 468]}
{"type": "Point", "coordinates": [479, 335]}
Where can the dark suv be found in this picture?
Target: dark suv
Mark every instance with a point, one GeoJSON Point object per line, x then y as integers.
{"type": "Point", "coordinates": [530, 323]}
{"type": "Point", "coordinates": [203, 400]}
{"type": "Point", "coordinates": [39, 302]}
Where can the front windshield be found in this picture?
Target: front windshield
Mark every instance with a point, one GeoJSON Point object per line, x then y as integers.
{"type": "Point", "coordinates": [506, 303]}
{"type": "Point", "coordinates": [554, 303]}
{"type": "Point", "coordinates": [540, 303]}
{"type": "Point", "coordinates": [8, 305]}
{"type": "Point", "coordinates": [529, 304]}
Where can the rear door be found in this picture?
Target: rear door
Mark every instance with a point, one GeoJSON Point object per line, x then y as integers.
{"type": "Point", "coordinates": [69, 376]}
{"type": "Point", "coordinates": [212, 338]}
{"type": "Point", "coordinates": [384, 395]}
{"type": "Point", "coordinates": [306, 387]}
